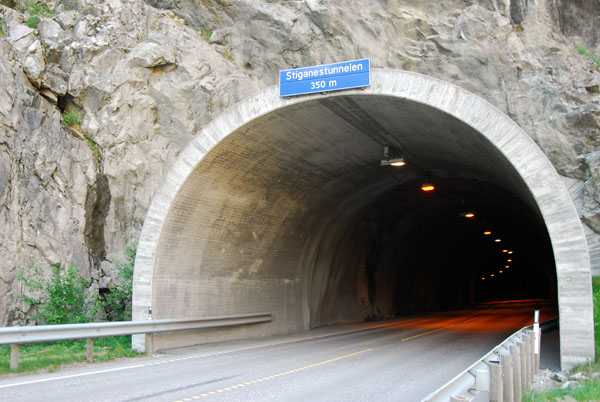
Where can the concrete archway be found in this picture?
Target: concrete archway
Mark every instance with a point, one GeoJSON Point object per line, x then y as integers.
{"type": "Point", "coordinates": [252, 214]}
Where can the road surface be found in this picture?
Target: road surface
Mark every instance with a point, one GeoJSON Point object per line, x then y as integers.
{"type": "Point", "coordinates": [395, 360]}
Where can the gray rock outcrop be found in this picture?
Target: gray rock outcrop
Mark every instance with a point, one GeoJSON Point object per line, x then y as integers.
{"type": "Point", "coordinates": [145, 76]}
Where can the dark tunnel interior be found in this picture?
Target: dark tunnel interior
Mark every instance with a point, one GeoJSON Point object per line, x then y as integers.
{"type": "Point", "coordinates": [294, 211]}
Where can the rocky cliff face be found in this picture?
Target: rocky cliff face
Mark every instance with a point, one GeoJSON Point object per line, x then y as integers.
{"type": "Point", "coordinates": [143, 77]}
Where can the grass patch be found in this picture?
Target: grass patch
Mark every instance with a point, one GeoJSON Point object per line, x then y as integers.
{"type": "Point", "coordinates": [95, 148]}
{"type": "Point", "coordinates": [589, 54]}
{"type": "Point", "coordinates": [206, 33]}
{"type": "Point", "coordinates": [51, 357]}
{"type": "Point", "coordinates": [71, 118]}
{"type": "Point", "coordinates": [35, 10]}
{"type": "Point", "coordinates": [589, 390]}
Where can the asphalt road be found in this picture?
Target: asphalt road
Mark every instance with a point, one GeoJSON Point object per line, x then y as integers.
{"type": "Point", "coordinates": [398, 360]}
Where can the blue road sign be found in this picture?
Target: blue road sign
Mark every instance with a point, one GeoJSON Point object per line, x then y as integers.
{"type": "Point", "coordinates": [325, 78]}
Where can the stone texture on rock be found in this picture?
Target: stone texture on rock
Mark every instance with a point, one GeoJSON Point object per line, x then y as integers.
{"type": "Point", "coordinates": [144, 80]}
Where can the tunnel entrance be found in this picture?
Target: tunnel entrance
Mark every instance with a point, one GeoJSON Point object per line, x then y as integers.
{"type": "Point", "coordinates": [283, 206]}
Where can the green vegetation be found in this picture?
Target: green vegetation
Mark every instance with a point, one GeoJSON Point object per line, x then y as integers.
{"type": "Point", "coordinates": [2, 23]}
{"type": "Point", "coordinates": [589, 390]}
{"type": "Point", "coordinates": [59, 299]}
{"type": "Point", "coordinates": [35, 10]}
{"type": "Point", "coordinates": [71, 118]}
{"type": "Point", "coordinates": [591, 55]}
{"type": "Point", "coordinates": [95, 148]}
{"type": "Point", "coordinates": [206, 33]}
{"type": "Point", "coordinates": [118, 301]}
{"type": "Point", "coordinates": [228, 56]}
{"type": "Point", "coordinates": [51, 356]}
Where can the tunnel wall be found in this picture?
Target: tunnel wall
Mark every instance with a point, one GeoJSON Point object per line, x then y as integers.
{"type": "Point", "coordinates": [167, 279]}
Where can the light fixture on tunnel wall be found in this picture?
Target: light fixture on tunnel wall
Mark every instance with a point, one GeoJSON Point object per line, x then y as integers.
{"type": "Point", "coordinates": [505, 251]}
{"type": "Point", "coordinates": [498, 240]}
{"type": "Point", "coordinates": [487, 232]}
{"type": "Point", "coordinates": [509, 260]}
{"type": "Point", "coordinates": [469, 215]}
{"type": "Point", "coordinates": [510, 252]}
{"type": "Point", "coordinates": [427, 187]}
{"type": "Point", "coordinates": [392, 157]}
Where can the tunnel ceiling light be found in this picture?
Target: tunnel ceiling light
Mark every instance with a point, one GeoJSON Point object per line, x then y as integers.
{"type": "Point", "coordinates": [392, 157]}
{"type": "Point", "coordinates": [500, 271]}
{"type": "Point", "coordinates": [492, 275]}
{"type": "Point", "coordinates": [507, 266]}
{"type": "Point", "coordinates": [398, 162]}
{"type": "Point", "coordinates": [510, 252]}
{"type": "Point", "coordinates": [469, 215]}
{"type": "Point", "coordinates": [483, 279]}
{"type": "Point", "coordinates": [487, 232]}
{"type": "Point", "coordinates": [505, 251]}
{"type": "Point", "coordinates": [498, 240]}
{"type": "Point", "coordinates": [427, 187]}
{"type": "Point", "coordinates": [509, 260]}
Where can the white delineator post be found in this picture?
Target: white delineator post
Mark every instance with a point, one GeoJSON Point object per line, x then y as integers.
{"type": "Point", "coordinates": [538, 339]}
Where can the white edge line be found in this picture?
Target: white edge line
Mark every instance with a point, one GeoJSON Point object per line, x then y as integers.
{"type": "Point", "coordinates": [71, 376]}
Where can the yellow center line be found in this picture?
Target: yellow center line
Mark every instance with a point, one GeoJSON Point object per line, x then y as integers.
{"type": "Point", "coordinates": [259, 380]}
{"type": "Point", "coordinates": [427, 333]}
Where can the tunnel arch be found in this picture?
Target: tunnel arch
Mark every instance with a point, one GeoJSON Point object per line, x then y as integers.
{"type": "Point", "coordinates": [164, 279]}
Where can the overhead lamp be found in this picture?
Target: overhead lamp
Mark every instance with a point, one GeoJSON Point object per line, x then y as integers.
{"type": "Point", "coordinates": [507, 266]}
{"type": "Point", "coordinates": [492, 275]}
{"type": "Point", "coordinates": [483, 279]}
{"type": "Point", "coordinates": [510, 252]}
{"type": "Point", "coordinates": [398, 162]}
{"type": "Point", "coordinates": [505, 251]}
{"type": "Point", "coordinates": [500, 271]}
{"type": "Point", "coordinates": [427, 187]}
{"type": "Point", "coordinates": [498, 240]}
{"type": "Point", "coordinates": [391, 158]}
{"type": "Point", "coordinates": [469, 215]}
{"type": "Point", "coordinates": [487, 232]}
{"type": "Point", "coordinates": [509, 260]}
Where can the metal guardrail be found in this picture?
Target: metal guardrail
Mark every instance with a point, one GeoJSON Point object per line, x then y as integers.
{"type": "Point", "coordinates": [465, 382]}
{"type": "Point", "coordinates": [49, 333]}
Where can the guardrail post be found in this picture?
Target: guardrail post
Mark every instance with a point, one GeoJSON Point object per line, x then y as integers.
{"type": "Point", "coordinates": [14, 356]}
{"type": "Point", "coordinates": [515, 352]}
{"type": "Point", "coordinates": [149, 345]}
{"type": "Point", "coordinates": [523, 354]}
{"type": "Point", "coordinates": [496, 386]}
{"type": "Point", "coordinates": [507, 376]}
{"type": "Point", "coordinates": [90, 350]}
{"type": "Point", "coordinates": [527, 353]}
{"type": "Point", "coordinates": [535, 356]}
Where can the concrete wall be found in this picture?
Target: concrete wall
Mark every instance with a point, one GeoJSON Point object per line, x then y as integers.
{"type": "Point", "coordinates": [238, 224]}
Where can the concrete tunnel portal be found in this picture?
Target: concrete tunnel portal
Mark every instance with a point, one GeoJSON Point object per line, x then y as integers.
{"type": "Point", "coordinates": [281, 205]}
